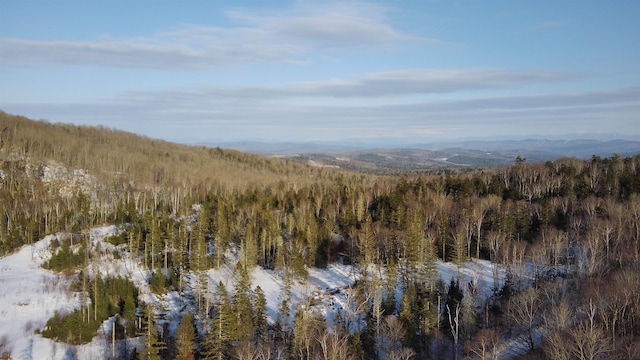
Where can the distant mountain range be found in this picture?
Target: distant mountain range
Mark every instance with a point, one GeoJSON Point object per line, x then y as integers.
{"type": "Point", "coordinates": [543, 149]}
{"type": "Point", "coordinates": [460, 154]}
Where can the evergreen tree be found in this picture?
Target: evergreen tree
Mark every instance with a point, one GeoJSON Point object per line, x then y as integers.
{"type": "Point", "coordinates": [367, 244]}
{"type": "Point", "coordinates": [415, 251]}
{"type": "Point", "coordinates": [454, 293]}
{"type": "Point", "coordinates": [154, 238]}
{"type": "Point", "coordinates": [198, 260]}
{"type": "Point", "coordinates": [221, 236]}
{"type": "Point", "coordinates": [153, 344]}
{"type": "Point", "coordinates": [199, 238]}
{"type": "Point", "coordinates": [356, 346]}
{"type": "Point", "coordinates": [242, 306]}
{"type": "Point", "coordinates": [389, 303]}
{"type": "Point", "coordinates": [218, 341]}
{"type": "Point", "coordinates": [458, 238]}
{"type": "Point", "coordinates": [298, 266]}
{"type": "Point", "coordinates": [282, 320]}
{"type": "Point", "coordinates": [248, 248]}
{"type": "Point", "coordinates": [186, 339]}
{"type": "Point", "coordinates": [260, 324]}
{"type": "Point", "coordinates": [311, 235]}
{"type": "Point", "coordinates": [429, 266]}
{"type": "Point", "coordinates": [428, 320]}
{"type": "Point", "coordinates": [408, 315]}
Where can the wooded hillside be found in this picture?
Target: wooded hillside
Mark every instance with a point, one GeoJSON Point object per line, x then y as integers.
{"type": "Point", "coordinates": [568, 233]}
{"type": "Point", "coordinates": [52, 173]}
{"type": "Point", "coordinates": [112, 154]}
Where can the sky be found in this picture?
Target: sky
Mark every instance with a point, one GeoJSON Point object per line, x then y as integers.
{"type": "Point", "coordinates": [316, 71]}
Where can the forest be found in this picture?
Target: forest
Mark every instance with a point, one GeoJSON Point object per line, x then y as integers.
{"type": "Point", "coordinates": [567, 233]}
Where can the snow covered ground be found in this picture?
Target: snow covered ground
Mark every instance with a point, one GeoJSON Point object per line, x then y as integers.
{"type": "Point", "coordinates": [31, 295]}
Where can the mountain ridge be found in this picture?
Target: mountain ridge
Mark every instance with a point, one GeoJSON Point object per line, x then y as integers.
{"type": "Point", "coordinates": [583, 147]}
{"type": "Point", "coordinates": [462, 154]}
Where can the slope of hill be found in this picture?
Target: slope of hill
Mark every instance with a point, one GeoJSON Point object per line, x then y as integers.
{"type": "Point", "coordinates": [57, 177]}
{"type": "Point", "coordinates": [112, 154]}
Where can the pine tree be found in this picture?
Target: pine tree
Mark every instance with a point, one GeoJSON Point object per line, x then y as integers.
{"type": "Point", "coordinates": [248, 248]}
{"type": "Point", "coordinates": [218, 341]}
{"type": "Point", "coordinates": [415, 241]}
{"type": "Point", "coordinates": [356, 346]}
{"type": "Point", "coordinates": [198, 260]}
{"type": "Point", "coordinates": [199, 241]}
{"type": "Point", "coordinates": [153, 344]}
{"type": "Point", "coordinates": [283, 319]}
{"type": "Point", "coordinates": [430, 253]}
{"type": "Point", "coordinates": [458, 238]}
{"type": "Point", "coordinates": [311, 237]}
{"type": "Point", "coordinates": [154, 239]}
{"type": "Point", "coordinates": [183, 243]}
{"type": "Point", "coordinates": [427, 318]}
{"type": "Point", "coordinates": [298, 264]}
{"type": "Point", "coordinates": [389, 303]}
{"type": "Point", "coordinates": [186, 339]}
{"type": "Point", "coordinates": [242, 306]}
{"type": "Point", "coordinates": [221, 235]}
{"type": "Point", "coordinates": [366, 239]}
{"type": "Point", "coordinates": [260, 324]}
{"type": "Point", "coordinates": [408, 315]}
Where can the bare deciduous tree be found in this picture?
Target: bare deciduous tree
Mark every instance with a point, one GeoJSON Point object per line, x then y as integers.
{"type": "Point", "coordinates": [334, 345]}
{"type": "Point", "coordinates": [454, 325]}
{"type": "Point", "coordinates": [523, 310]}
{"type": "Point", "coordinates": [391, 336]}
{"type": "Point", "coordinates": [485, 344]}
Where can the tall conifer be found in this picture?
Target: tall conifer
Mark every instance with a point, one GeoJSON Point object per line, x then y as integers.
{"type": "Point", "coordinates": [153, 344]}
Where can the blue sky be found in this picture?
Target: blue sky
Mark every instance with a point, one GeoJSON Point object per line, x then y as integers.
{"type": "Point", "coordinates": [379, 71]}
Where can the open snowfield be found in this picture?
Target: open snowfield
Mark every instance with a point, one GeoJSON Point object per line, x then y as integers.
{"type": "Point", "coordinates": [31, 295]}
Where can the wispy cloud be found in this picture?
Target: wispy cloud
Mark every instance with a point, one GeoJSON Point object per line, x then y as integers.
{"type": "Point", "coordinates": [393, 83]}
{"type": "Point", "coordinates": [428, 81]}
{"type": "Point", "coordinates": [255, 37]}
{"type": "Point", "coordinates": [133, 54]}
{"type": "Point", "coordinates": [333, 26]}
{"type": "Point", "coordinates": [214, 118]}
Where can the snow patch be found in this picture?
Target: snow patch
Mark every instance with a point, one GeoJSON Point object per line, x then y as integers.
{"type": "Point", "coordinates": [30, 296]}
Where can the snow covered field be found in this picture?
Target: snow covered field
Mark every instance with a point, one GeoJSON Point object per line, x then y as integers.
{"type": "Point", "coordinates": [31, 295]}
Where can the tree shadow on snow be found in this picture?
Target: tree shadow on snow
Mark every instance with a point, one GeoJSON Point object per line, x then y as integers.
{"type": "Point", "coordinates": [70, 354]}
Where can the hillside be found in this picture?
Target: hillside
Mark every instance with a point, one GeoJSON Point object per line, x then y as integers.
{"type": "Point", "coordinates": [111, 154]}
{"type": "Point", "coordinates": [296, 261]}
{"type": "Point", "coordinates": [62, 177]}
